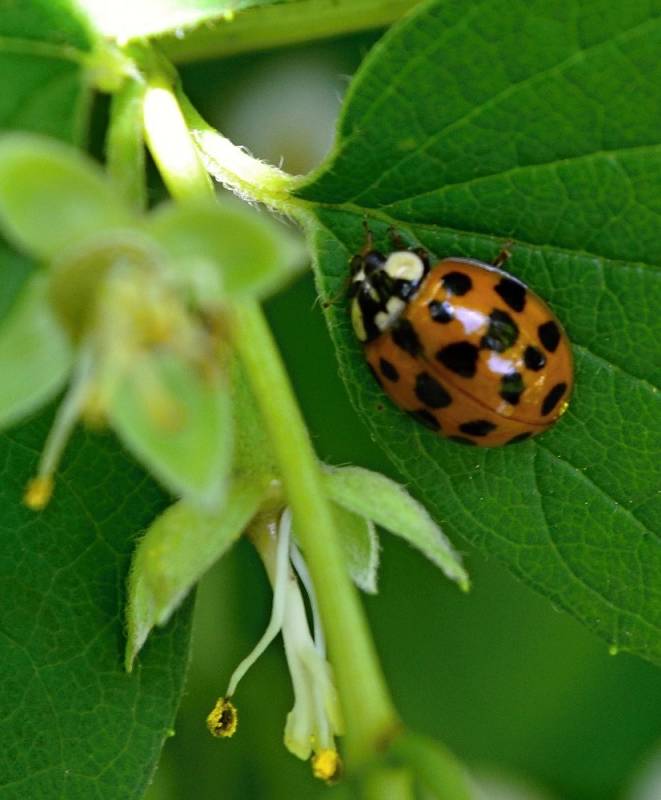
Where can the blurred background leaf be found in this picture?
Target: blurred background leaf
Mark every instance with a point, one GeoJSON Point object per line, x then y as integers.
{"type": "Point", "coordinates": [73, 724]}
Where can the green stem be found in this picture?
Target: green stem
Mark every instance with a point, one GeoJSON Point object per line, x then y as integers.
{"type": "Point", "coordinates": [125, 151]}
{"type": "Point", "coordinates": [434, 765]}
{"type": "Point", "coordinates": [389, 783]}
{"type": "Point", "coordinates": [245, 175]}
{"type": "Point", "coordinates": [170, 143]}
{"type": "Point", "coordinates": [370, 716]}
{"type": "Point", "coordinates": [268, 26]}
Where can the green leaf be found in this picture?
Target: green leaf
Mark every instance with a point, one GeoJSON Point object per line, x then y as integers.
{"type": "Point", "coordinates": [177, 549]}
{"type": "Point", "coordinates": [35, 356]}
{"type": "Point", "coordinates": [539, 123]}
{"type": "Point", "coordinates": [74, 725]}
{"type": "Point", "coordinates": [360, 544]}
{"type": "Point", "coordinates": [94, 732]}
{"type": "Point", "coordinates": [43, 49]}
{"type": "Point", "coordinates": [264, 25]}
{"type": "Point", "coordinates": [51, 195]}
{"type": "Point", "coordinates": [124, 20]}
{"type": "Point", "coordinates": [177, 422]}
{"type": "Point", "coordinates": [389, 505]}
{"type": "Point", "coordinates": [225, 249]}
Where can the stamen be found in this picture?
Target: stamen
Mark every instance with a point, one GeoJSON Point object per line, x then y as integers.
{"type": "Point", "coordinates": [302, 571]}
{"type": "Point", "coordinates": [39, 490]}
{"type": "Point", "coordinates": [223, 719]}
{"type": "Point", "coordinates": [327, 765]}
{"type": "Point", "coordinates": [166, 411]}
{"type": "Point", "coordinates": [280, 581]}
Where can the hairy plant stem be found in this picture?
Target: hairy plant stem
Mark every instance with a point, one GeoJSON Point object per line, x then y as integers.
{"type": "Point", "coordinates": [267, 26]}
{"type": "Point", "coordinates": [370, 717]}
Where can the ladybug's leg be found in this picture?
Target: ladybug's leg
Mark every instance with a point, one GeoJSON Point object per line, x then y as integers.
{"type": "Point", "coordinates": [504, 256]}
{"type": "Point", "coordinates": [340, 295]}
{"type": "Point", "coordinates": [369, 239]}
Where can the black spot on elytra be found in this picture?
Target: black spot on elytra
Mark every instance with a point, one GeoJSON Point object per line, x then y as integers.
{"type": "Point", "coordinates": [549, 335]}
{"type": "Point", "coordinates": [511, 387]}
{"type": "Point", "coordinates": [520, 437]}
{"type": "Point", "coordinates": [375, 375]}
{"type": "Point", "coordinates": [502, 333]}
{"type": "Point", "coordinates": [426, 418]}
{"type": "Point", "coordinates": [513, 293]}
{"type": "Point", "coordinates": [388, 370]}
{"type": "Point", "coordinates": [551, 399]}
{"type": "Point", "coordinates": [440, 312]}
{"type": "Point", "coordinates": [430, 392]}
{"type": "Point", "coordinates": [404, 336]}
{"type": "Point", "coordinates": [461, 440]}
{"type": "Point", "coordinates": [534, 359]}
{"type": "Point", "coordinates": [457, 283]}
{"type": "Point", "coordinates": [460, 357]}
{"type": "Point", "coordinates": [477, 427]}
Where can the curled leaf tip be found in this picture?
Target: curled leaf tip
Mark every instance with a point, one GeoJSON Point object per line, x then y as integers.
{"type": "Point", "coordinates": [223, 719]}
{"type": "Point", "coordinates": [38, 492]}
{"type": "Point", "coordinates": [327, 765]}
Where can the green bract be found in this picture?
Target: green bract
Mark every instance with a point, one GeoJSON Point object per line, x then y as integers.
{"type": "Point", "coordinates": [177, 422]}
{"type": "Point", "coordinates": [35, 354]}
{"type": "Point", "coordinates": [51, 195]}
{"type": "Point", "coordinates": [178, 548]}
{"type": "Point", "coordinates": [361, 547]}
{"type": "Point", "coordinates": [225, 249]}
{"type": "Point", "coordinates": [389, 505]}
{"type": "Point", "coordinates": [142, 298]}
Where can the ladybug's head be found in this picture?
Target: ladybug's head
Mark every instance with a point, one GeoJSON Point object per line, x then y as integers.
{"type": "Point", "coordinates": [381, 286]}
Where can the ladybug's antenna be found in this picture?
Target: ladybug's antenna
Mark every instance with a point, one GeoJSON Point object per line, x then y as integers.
{"type": "Point", "coordinates": [369, 239]}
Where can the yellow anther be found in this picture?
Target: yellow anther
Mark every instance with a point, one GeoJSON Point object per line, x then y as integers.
{"type": "Point", "coordinates": [223, 719]}
{"type": "Point", "coordinates": [38, 492]}
{"type": "Point", "coordinates": [327, 765]}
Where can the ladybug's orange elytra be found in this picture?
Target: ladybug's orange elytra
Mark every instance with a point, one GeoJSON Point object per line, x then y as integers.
{"type": "Point", "coordinates": [465, 348]}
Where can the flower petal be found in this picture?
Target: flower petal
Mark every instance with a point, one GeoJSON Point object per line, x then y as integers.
{"type": "Point", "coordinates": [35, 355]}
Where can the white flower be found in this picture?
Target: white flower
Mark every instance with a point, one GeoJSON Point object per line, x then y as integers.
{"type": "Point", "coordinates": [315, 719]}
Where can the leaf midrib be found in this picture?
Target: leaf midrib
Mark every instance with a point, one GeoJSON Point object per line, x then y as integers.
{"type": "Point", "coordinates": [520, 169]}
{"type": "Point", "coordinates": [455, 124]}
{"type": "Point", "coordinates": [523, 244]}
{"type": "Point", "coordinates": [497, 239]}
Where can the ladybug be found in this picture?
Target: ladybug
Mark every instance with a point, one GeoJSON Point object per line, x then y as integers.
{"type": "Point", "coordinates": [465, 348]}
